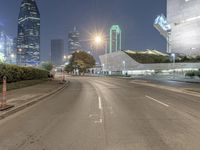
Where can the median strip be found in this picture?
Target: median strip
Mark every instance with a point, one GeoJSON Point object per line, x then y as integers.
{"type": "Point", "coordinates": [151, 98]}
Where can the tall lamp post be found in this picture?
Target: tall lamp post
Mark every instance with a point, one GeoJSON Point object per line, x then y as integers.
{"type": "Point", "coordinates": [100, 39]}
{"type": "Point", "coordinates": [174, 61]}
{"type": "Point", "coordinates": [20, 53]}
{"type": "Point", "coordinates": [124, 64]}
{"type": "Point", "coordinates": [12, 56]}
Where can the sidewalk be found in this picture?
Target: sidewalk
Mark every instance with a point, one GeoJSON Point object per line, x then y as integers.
{"type": "Point", "coordinates": [23, 97]}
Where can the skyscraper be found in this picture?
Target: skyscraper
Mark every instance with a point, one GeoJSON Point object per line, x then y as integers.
{"type": "Point", "coordinates": [6, 48]}
{"type": "Point", "coordinates": [57, 51]}
{"type": "Point", "coordinates": [73, 41]}
{"type": "Point", "coordinates": [28, 38]}
{"type": "Point", "coordinates": [184, 19]}
{"type": "Point", "coordinates": [115, 39]}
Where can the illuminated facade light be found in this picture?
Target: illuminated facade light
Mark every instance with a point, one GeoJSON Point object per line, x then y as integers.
{"type": "Point", "coordinates": [115, 39]}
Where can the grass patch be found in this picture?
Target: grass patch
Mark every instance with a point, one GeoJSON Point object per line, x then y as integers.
{"type": "Point", "coordinates": [22, 84]}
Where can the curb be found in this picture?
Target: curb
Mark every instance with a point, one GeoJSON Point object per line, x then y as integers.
{"type": "Point", "coordinates": [195, 82]}
{"type": "Point", "coordinates": [32, 102]}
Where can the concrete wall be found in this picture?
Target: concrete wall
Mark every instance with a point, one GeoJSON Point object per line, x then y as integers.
{"type": "Point", "coordinates": [184, 18]}
{"type": "Point", "coordinates": [114, 62]}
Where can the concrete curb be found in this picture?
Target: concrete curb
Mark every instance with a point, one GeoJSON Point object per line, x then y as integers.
{"type": "Point", "coordinates": [195, 82]}
{"type": "Point", "coordinates": [32, 102]}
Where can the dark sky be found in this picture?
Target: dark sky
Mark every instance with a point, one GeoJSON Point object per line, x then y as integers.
{"type": "Point", "coordinates": [58, 17]}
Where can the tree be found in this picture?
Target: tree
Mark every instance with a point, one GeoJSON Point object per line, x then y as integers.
{"type": "Point", "coordinates": [47, 66]}
{"type": "Point", "coordinates": [80, 60]}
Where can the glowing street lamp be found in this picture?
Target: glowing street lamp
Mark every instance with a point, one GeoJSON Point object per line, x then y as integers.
{"type": "Point", "coordinates": [98, 39]}
{"type": "Point", "coordinates": [173, 56]}
{"type": "Point", "coordinates": [20, 51]}
{"type": "Point", "coordinates": [70, 56]}
{"type": "Point", "coordinates": [174, 59]}
{"type": "Point", "coordinates": [12, 55]}
{"type": "Point", "coordinates": [124, 64]}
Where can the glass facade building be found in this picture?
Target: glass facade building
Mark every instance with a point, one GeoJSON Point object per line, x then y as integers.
{"type": "Point", "coordinates": [184, 19]}
{"type": "Point", "coordinates": [6, 48]}
{"type": "Point", "coordinates": [73, 41]}
{"type": "Point", "coordinates": [57, 52]}
{"type": "Point", "coordinates": [115, 39]}
{"type": "Point", "coordinates": [28, 38]}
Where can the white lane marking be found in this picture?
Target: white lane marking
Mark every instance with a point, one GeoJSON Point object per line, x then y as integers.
{"type": "Point", "coordinates": [100, 103]}
{"type": "Point", "coordinates": [151, 98]}
{"type": "Point", "coordinates": [100, 121]}
{"type": "Point", "coordinates": [93, 115]}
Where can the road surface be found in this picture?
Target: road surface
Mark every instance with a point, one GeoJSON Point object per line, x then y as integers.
{"type": "Point", "coordinates": [106, 114]}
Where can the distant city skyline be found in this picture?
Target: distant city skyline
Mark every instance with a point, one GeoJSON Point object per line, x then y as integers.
{"type": "Point", "coordinates": [136, 24]}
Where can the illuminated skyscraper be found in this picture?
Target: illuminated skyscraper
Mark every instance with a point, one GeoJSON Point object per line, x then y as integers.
{"type": "Point", "coordinates": [115, 39]}
{"type": "Point", "coordinates": [184, 19]}
{"type": "Point", "coordinates": [28, 39]}
{"type": "Point", "coordinates": [6, 48]}
{"type": "Point", "coordinates": [74, 41]}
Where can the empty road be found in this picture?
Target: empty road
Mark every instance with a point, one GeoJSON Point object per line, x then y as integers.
{"type": "Point", "coordinates": [106, 114]}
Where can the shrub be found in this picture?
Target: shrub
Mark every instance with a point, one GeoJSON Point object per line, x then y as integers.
{"type": "Point", "coordinates": [16, 73]}
{"type": "Point", "coordinates": [193, 74]}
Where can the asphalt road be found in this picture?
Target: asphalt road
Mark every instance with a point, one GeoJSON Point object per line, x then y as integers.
{"type": "Point", "coordinates": [106, 114]}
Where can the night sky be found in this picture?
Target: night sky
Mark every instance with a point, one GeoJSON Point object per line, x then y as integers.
{"type": "Point", "coordinates": [58, 17]}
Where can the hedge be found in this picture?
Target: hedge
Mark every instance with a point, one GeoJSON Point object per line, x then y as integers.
{"type": "Point", "coordinates": [16, 73]}
{"type": "Point", "coordinates": [193, 74]}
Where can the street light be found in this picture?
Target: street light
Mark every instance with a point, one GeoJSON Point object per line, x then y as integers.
{"type": "Point", "coordinates": [173, 56]}
{"type": "Point", "coordinates": [124, 63]}
{"type": "Point", "coordinates": [174, 61]}
{"type": "Point", "coordinates": [101, 39]}
{"type": "Point", "coordinates": [103, 65]}
{"type": "Point", "coordinates": [70, 56]}
{"type": "Point", "coordinates": [20, 50]}
{"type": "Point", "coordinates": [67, 58]}
{"type": "Point", "coordinates": [98, 39]}
{"type": "Point", "coordinates": [12, 55]}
